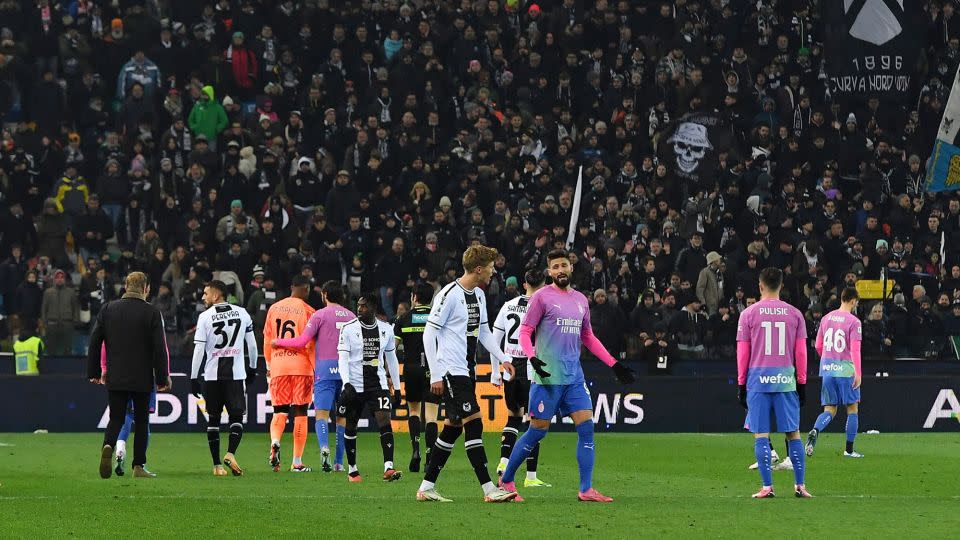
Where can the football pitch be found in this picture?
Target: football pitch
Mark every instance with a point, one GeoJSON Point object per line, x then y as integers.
{"type": "Point", "coordinates": [664, 485]}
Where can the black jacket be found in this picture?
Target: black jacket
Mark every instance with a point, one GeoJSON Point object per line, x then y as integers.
{"type": "Point", "coordinates": [136, 347]}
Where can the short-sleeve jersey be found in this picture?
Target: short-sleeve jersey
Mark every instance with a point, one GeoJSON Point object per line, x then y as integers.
{"type": "Point", "coordinates": [324, 326]}
{"type": "Point", "coordinates": [508, 321]}
{"type": "Point", "coordinates": [409, 329]}
{"type": "Point", "coordinates": [772, 328]}
{"type": "Point", "coordinates": [367, 346]}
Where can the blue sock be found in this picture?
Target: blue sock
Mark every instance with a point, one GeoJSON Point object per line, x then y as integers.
{"type": "Point", "coordinates": [761, 447]}
{"type": "Point", "coordinates": [521, 450]}
{"type": "Point", "coordinates": [127, 427]}
{"type": "Point", "coordinates": [822, 421]}
{"type": "Point", "coordinates": [323, 434]}
{"type": "Point", "coordinates": [853, 424]}
{"type": "Point", "coordinates": [338, 457]}
{"type": "Point", "coordinates": [799, 459]}
{"type": "Point", "coordinates": [585, 455]}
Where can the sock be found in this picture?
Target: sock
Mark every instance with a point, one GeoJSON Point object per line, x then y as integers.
{"type": "Point", "coordinates": [387, 465]}
{"type": "Point", "coordinates": [799, 458]}
{"type": "Point", "coordinates": [530, 439]}
{"type": "Point", "coordinates": [438, 458]}
{"type": "Point", "coordinates": [761, 447]}
{"type": "Point", "coordinates": [121, 447]}
{"type": "Point", "coordinates": [323, 433]}
{"type": "Point", "coordinates": [277, 425]}
{"type": "Point", "coordinates": [509, 437]}
{"type": "Point", "coordinates": [126, 428]}
{"type": "Point", "coordinates": [473, 442]}
{"type": "Point", "coordinates": [430, 435]}
{"type": "Point", "coordinates": [236, 433]}
{"type": "Point", "coordinates": [413, 424]}
{"type": "Point", "coordinates": [853, 424]}
{"type": "Point", "coordinates": [299, 436]}
{"type": "Point", "coordinates": [585, 455]}
{"type": "Point", "coordinates": [213, 440]}
{"type": "Point", "coordinates": [386, 442]}
{"type": "Point", "coordinates": [350, 443]}
{"type": "Point", "coordinates": [338, 457]}
{"type": "Point", "coordinates": [532, 462]}
{"type": "Point", "coordinates": [822, 421]}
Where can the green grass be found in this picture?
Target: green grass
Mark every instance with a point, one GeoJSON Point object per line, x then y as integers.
{"type": "Point", "coordinates": [670, 485]}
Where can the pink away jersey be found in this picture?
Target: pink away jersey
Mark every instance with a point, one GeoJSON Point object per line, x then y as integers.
{"type": "Point", "coordinates": [324, 326]}
{"type": "Point", "coordinates": [835, 342]}
{"type": "Point", "coordinates": [772, 328]}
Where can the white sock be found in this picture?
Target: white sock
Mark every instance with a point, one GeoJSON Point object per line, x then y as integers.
{"type": "Point", "coordinates": [504, 461]}
{"type": "Point", "coordinates": [531, 475]}
{"type": "Point", "coordinates": [426, 486]}
{"type": "Point", "coordinates": [488, 488]}
{"type": "Point", "coordinates": [387, 465]}
{"type": "Point", "coordinates": [296, 461]}
{"type": "Point", "coordinates": [121, 447]}
{"type": "Point", "coordinates": [275, 441]}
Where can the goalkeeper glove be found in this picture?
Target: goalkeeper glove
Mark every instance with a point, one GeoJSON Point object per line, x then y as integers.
{"type": "Point", "coordinates": [802, 393]}
{"type": "Point", "coordinates": [742, 395]}
{"type": "Point", "coordinates": [624, 374]}
{"type": "Point", "coordinates": [537, 365]}
{"type": "Point", "coordinates": [196, 388]}
{"type": "Point", "coordinates": [348, 394]}
{"type": "Point", "coordinates": [397, 398]}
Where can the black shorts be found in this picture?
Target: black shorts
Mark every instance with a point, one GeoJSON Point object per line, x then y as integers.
{"type": "Point", "coordinates": [416, 384]}
{"type": "Point", "coordinates": [460, 397]}
{"type": "Point", "coordinates": [352, 411]}
{"type": "Point", "coordinates": [229, 394]}
{"type": "Point", "coordinates": [516, 391]}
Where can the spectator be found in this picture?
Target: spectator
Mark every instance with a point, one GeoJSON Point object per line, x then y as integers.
{"type": "Point", "coordinates": [93, 229]}
{"type": "Point", "coordinates": [207, 117]}
{"type": "Point", "coordinates": [659, 351]}
{"type": "Point", "coordinates": [59, 311]}
{"type": "Point", "coordinates": [138, 70]}
{"type": "Point", "coordinates": [723, 332]}
{"type": "Point", "coordinates": [710, 283]}
{"type": "Point", "coordinates": [876, 341]}
{"type": "Point", "coordinates": [689, 326]}
{"type": "Point", "coordinates": [608, 322]}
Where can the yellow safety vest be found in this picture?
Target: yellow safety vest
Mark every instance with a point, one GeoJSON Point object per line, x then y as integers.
{"type": "Point", "coordinates": [26, 354]}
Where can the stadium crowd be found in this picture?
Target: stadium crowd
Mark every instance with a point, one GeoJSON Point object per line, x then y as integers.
{"type": "Point", "coordinates": [370, 141]}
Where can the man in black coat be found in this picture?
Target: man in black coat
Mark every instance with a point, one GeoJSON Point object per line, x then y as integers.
{"type": "Point", "coordinates": [132, 332]}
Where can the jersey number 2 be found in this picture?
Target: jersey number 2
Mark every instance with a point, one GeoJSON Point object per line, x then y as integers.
{"type": "Point", "coordinates": [514, 325]}
{"type": "Point", "coordinates": [219, 330]}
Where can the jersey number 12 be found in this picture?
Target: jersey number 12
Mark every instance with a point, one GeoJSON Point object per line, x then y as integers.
{"type": "Point", "coordinates": [768, 338]}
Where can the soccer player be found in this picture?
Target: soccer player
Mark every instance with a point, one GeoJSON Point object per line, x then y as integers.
{"type": "Point", "coordinates": [421, 402]}
{"type": "Point", "coordinates": [290, 372]}
{"type": "Point", "coordinates": [324, 327]}
{"type": "Point", "coordinates": [516, 391]}
{"type": "Point", "coordinates": [772, 377]}
{"type": "Point", "coordinates": [560, 317]}
{"type": "Point", "coordinates": [224, 355]}
{"type": "Point", "coordinates": [457, 321]}
{"type": "Point", "coordinates": [838, 344]}
{"type": "Point", "coordinates": [366, 347]}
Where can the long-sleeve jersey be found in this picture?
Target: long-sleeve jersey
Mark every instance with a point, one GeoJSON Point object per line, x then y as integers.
{"type": "Point", "coordinates": [287, 318]}
{"type": "Point", "coordinates": [365, 350]}
{"type": "Point", "coordinates": [771, 347]}
{"type": "Point", "coordinates": [560, 318]}
{"type": "Point", "coordinates": [323, 327]}
{"type": "Point", "coordinates": [224, 344]}
{"type": "Point", "coordinates": [838, 344]}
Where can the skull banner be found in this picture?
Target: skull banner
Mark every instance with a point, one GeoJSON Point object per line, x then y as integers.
{"type": "Point", "coordinates": [690, 145]}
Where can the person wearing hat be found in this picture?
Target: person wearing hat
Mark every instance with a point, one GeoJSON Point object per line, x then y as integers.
{"type": "Point", "coordinates": [208, 117]}
{"type": "Point", "coordinates": [228, 222]}
{"type": "Point", "coordinates": [244, 66]}
{"type": "Point", "coordinates": [659, 349]}
{"type": "Point", "coordinates": [689, 325]}
{"type": "Point", "coordinates": [710, 283]}
{"type": "Point", "coordinates": [59, 310]}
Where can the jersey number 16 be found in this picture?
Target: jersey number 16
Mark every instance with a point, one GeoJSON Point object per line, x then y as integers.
{"type": "Point", "coordinates": [286, 329]}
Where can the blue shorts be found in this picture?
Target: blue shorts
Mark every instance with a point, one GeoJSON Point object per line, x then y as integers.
{"type": "Point", "coordinates": [326, 392]}
{"type": "Point", "coordinates": [763, 407]}
{"type": "Point", "coordinates": [558, 399]}
{"type": "Point", "coordinates": [152, 405]}
{"type": "Point", "coordinates": [838, 391]}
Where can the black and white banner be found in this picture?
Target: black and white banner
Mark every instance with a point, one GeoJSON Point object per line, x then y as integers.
{"type": "Point", "coordinates": [690, 145]}
{"type": "Point", "coordinates": [872, 46]}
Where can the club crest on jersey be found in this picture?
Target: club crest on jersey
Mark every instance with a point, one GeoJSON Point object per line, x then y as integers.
{"type": "Point", "coordinates": [540, 407]}
{"type": "Point", "coordinates": [466, 407]}
{"type": "Point", "coordinates": [580, 307]}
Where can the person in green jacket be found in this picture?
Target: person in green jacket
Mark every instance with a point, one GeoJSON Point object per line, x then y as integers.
{"type": "Point", "coordinates": [208, 117]}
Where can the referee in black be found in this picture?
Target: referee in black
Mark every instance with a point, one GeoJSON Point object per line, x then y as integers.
{"type": "Point", "coordinates": [136, 348]}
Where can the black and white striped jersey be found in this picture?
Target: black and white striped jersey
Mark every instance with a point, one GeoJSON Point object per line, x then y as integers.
{"type": "Point", "coordinates": [224, 344]}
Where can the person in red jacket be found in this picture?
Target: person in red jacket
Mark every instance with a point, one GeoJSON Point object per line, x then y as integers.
{"type": "Point", "coordinates": [244, 66]}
